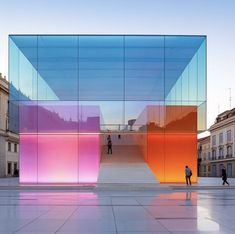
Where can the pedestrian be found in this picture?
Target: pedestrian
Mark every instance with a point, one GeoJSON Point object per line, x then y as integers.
{"type": "Point", "coordinates": [108, 138]}
{"type": "Point", "coordinates": [110, 147]}
{"type": "Point", "coordinates": [224, 176]}
{"type": "Point", "coordinates": [188, 174]}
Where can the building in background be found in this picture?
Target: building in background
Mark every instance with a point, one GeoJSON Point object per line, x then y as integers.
{"type": "Point", "coordinates": [222, 143]}
{"type": "Point", "coordinates": [217, 150]}
{"type": "Point", "coordinates": [9, 143]}
{"type": "Point", "coordinates": [204, 156]}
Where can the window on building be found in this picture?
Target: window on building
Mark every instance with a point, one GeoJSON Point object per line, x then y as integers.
{"type": "Point", "coordinates": [16, 172]}
{"type": "Point", "coordinates": [229, 170]}
{"type": "Point", "coordinates": [229, 135]}
{"type": "Point", "coordinates": [9, 146]}
{"type": "Point", "coordinates": [221, 152]}
{"type": "Point", "coordinates": [9, 168]}
{"type": "Point", "coordinates": [214, 140]}
{"type": "Point", "coordinates": [209, 155]}
{"type": "Point", "coordinates": [15, 148]}
{"type": "Point", "coordinates": [221, 138]}
{"type": "Point", "coordinates": [214, 170]}
{"type": "Point", "coordinates": [204, 156]}
{"type": "Point", "coordinates": [205, 169]}
{"type": "Point", "coordinates": [15, 166]}
{"type": "Point", "coordinates": [209, 168]}
{"type": "Point", "coordinates": [213, 154]}
{"type": "Point", "coordinates": [220, 169]}
{"type": "Point", "coordinates": [229, 151]}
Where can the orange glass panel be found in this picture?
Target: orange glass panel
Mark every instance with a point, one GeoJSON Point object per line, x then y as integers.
{"type": "Point", "coordinates": [173, 146]}
{"type": "Point", "coordinates": [156, 155]}
{"type": "Point", "coordinates": [180, 150]}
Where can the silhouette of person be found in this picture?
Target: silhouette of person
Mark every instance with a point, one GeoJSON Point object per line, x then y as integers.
{"type": "Point", "coordinates": [188, 174]}
{"type": "Point", "coordinates": [108, 138]}
{"type": "Point", "coordinates": [110, 147]}
{"type": "Point", "coordinates": [224, 176]}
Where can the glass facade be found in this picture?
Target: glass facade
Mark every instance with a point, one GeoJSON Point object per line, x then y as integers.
{"type": "Point", "coordinates": [68, 90]}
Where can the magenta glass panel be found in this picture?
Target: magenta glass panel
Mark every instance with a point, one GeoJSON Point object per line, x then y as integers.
{"type": "Point", "coordinates": [28, 116]}
{"type": "Point", "coordinates": [28, 158]}
{"type": "Point", "coordinates": [57, 116]}
{"type": "Point", "coordinates": [58, 158]}
{"type": "Point", "coordinates": [89, 143]}
{"type": "Point", "coordinates": [89, 157]}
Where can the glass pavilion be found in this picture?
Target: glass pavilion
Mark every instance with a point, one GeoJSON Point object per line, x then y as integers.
{"type": "Point", "coordinates": [67, 91]}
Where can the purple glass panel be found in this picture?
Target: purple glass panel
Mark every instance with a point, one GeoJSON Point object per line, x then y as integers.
{"type": "Point", "coordinates": [57, 117]}
{"type": "Point", "coordinates": [89, 119]}
{"type": "Point", "coordinates": [28, 116]}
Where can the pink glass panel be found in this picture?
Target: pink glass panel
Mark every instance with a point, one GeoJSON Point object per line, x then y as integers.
{"type": "Point", "coordinates": [89, 157]}
{"type": "Point", "coordinates": [58, 158]}
{"type": "Point", "coordinates": [53, 151]}
{"type": "Point", "coordinates": [28, 158]}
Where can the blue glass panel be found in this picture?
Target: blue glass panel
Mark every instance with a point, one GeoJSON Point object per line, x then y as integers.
{"type": "Point", "coordinates": [27, 78]}
{"type": "Point", "coordinates": [14, 70]}
{"type": "Point", "coordinates": [179, 51]}
{"type": "Point", "coordinates": [144, 68]}
{"type": "Point", "coordinates": [101, 68]}
{"type": "Point", "coordinates": [178, 89]}
{"type": "Point", "coordinates": [193, 78]}
{"type": "Point", "coordinates": [201, 117]}
{"type": "Point", "coordinates": [58, 67]}
{"type": "Point", "coordinates": [202, 72]}
{"type": "Point", "coordinates": [26, 61]}
{"type": "Point", "coordinates": [185, 85]}
{"type": "Point", "coordinates": [184, 41]}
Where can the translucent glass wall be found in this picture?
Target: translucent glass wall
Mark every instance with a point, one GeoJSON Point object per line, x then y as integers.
{"type": "Point", "coordinates": [61, 85]}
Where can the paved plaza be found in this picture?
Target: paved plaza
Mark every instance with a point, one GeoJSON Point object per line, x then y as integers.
{"type": "Point", "coordinates": [118, 209]}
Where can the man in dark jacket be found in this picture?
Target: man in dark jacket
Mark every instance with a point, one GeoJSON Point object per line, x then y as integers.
{"type": "Point", "coordinates": [224, 176]}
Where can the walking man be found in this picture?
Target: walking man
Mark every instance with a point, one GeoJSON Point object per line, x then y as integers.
{"type": "Point", "coordinates": [224, 176]}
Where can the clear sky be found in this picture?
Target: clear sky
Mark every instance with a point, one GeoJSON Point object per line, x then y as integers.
{"type": "Point", "coordinates": [214, 18]}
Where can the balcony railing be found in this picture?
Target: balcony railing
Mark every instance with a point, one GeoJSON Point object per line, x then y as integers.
{"type": "Point", "coordinates": [229, 156]}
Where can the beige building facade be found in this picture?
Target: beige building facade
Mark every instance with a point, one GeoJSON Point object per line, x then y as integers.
{"type": "Point", "coordinates": [204, 157]}
{"type": "Point", "coordinates": [9, 141]}
{"type": "Point", "coordinates": [217, 150]}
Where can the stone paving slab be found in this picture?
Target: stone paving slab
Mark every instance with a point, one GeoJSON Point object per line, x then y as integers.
{"type": "Point", "coordinates": [118, 212]}
{"type": "Point", "coordinates": [203, 183]}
